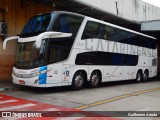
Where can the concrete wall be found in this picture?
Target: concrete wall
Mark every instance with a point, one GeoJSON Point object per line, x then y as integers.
{"type": "Point", "coordinates": [135, 10]}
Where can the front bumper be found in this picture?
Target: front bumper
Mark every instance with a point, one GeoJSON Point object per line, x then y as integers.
{"type": "Point", "coordinates": [27, 81]}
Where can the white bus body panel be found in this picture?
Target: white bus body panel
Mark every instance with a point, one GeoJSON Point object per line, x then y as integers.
{"type": "Point", "coordinates": [61, 74]}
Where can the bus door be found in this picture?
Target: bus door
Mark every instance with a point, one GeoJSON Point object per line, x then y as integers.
{"type": "Point", "coordinates": [116, 70]}
{"type": "Point", "coordinates": [54, 63]}
{"type": "Point", "coordinates": [130, 59]}
{"type": "Point", "coordinates": [129, 69]}
{"type": "Point", "coordinates": [54, 74]}
{"type": "Point", "coordinates": [113, 73]}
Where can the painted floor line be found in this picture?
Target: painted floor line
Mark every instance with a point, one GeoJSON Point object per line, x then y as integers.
{"type": "Point", "coordinates": [116, 98]}
{"type": "Point", "coordinates": [17, 107]}
{"type": "Point", "coordinates": [50, 109]}
{"type": "Point", "coordinates": [70, 118]}
{"type": "Point", "coordinates": [7, 101]}
{"type": "Point", "coordinates": [29, 105]}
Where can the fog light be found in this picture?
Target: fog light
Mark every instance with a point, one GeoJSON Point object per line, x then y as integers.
{"type": "Point", "coordinates": [36, 81]}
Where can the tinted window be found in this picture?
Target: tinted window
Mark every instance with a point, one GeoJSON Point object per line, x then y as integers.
{"type": "Point", "coordinates": [150, 43]}
{"type": "Point", "coordinates": [133, 40]}
{"type": "Point", "coordinates": [94, 58]}
{"type": "Point", "coordinates": [154, 62]}
{"type": "Point", "coordinates": [131, 60]}
{"type": "Point", "coordinates": [59, 49]}
{"type": "Point", "coordinates": [106, 58]}
{"type": "Point", "coordinates": [101, 31]}
{"type": "Point", "coordinates": [68, 24]}
{"type": "Point", "coordinates": [92, 30]}
{"type": "Point", "coordinates": [109, 33]}
{"type": "Point", "coordinates": [117, 59]}
{"type": "Point", "coordinates": [122, 36]}
{"type": "Point", "coordinates": [37, 24]}
{"type": "Point", "coordinates": [141, 41]}
{"type": "Point", "coordinates": [55, 54]}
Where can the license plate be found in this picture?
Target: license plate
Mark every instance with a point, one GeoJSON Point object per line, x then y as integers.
{"type": "Point", "coordinates": [21, 82]}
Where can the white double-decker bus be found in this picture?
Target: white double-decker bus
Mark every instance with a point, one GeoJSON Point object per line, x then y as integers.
{"type": "Point", "coordinates": [63, 48]}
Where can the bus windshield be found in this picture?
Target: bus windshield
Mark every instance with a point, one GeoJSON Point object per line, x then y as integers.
{"type": "Point", "coordinates": [37, 24]}
{"type": "Point", "coordinates": [52, 50]}
{"type": "Point", "coordinates": [28, 55]}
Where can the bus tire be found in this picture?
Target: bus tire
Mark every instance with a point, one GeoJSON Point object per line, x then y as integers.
{"type": "Point", "coordinates": [139, 76]}
{"type": "Point", "coordinates": [78, 81]}
{"type": "Point", "coordinates": [145, 76]}
{"type": "Point", "coordinates": [95, 79]}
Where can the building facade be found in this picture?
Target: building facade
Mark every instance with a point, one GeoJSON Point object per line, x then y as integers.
{"type": "Point", "coordinates": [135, 10]}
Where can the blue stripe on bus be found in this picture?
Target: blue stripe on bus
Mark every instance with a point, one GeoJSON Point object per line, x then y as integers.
{"type": "Point", "coordinates": [42, 77]}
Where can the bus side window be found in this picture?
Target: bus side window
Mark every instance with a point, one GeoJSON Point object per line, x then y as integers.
{"type": "Point", "coordinates": [131, 60]}
{"type": "Point", "coordinates": [55, 54]}
{"type": "Point", "coordinates": [108, 32]}
{"type": "Point", "coordinates": [122, 36]}
{"type": "Point", "coordinates": [45, 23]}
{"type": "Point", "coordinates": [92, 30]}
{"type": "Point", "coordinates": [134, 38]}
{"type": "Point", "coordinates": [68, 24]}
{"type": "Point", "coordinates": [117, 59]}
{"type": "Point", "coordinates": [64, 24]}
{"type": "Point", "coordinates": [150, 43]}
{"type": "Point", "coordinates": [141, 41]}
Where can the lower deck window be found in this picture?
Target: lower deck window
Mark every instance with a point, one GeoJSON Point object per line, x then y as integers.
{"type": "Point", "coordinates": [106, 58]}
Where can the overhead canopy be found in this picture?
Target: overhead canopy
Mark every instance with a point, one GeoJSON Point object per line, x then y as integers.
{"type": "Point", "coordinates": [81, 8]}
{"type": "Point", "coordinates": [151, 26]}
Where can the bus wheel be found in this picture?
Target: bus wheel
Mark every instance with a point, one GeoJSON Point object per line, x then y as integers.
{"type": "Point", "coordinates": [145, 76]}
{"type": "Point", "coordinates": [139, 77]}
{"type": "Point", "coordinates": [78, 81]}
{"type": "Point", "coordinates": [95, 79]}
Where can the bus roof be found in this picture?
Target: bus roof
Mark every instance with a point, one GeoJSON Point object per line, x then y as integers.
{"type": "Point", "coordinates": [119, 27]}
{"type": "Point", "coordinates": [103, 22]}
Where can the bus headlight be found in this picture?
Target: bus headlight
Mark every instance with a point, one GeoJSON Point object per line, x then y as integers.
{"type": "Point", "coordinates": [35, 74]}
{"type": "Point", "coordinates": [43, 72]}
{"type": "Point", "coordinates": [39, 73]}
{"type": "Point", "coordinates": [36, 81]}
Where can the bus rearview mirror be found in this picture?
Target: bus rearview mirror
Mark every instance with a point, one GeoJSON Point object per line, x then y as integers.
{"type": "Point", "coordinates": [50, 35]}
{"type": "Point", "coordinates": [9, 39]}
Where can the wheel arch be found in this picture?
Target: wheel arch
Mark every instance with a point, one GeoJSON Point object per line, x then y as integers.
{"type": "Point", "coordinates": [99, 72]}
{"type": "Point", "coordinates": [140, 70]}
{"type": "Point", "coordinates": [80, 70]}
{"type": "Point", "coordinates": [139, 76]}
{"type": "Point", "coordinates": [78, 79]}
{"type": "Point", "coordinates": [146, 70]}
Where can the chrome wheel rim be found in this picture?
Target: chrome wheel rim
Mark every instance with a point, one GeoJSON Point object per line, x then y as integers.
{"type": "Point", "coordinates": [145, 77]}
{"type": "Point", "coordinates": [138, 77]}
{"type": "Point", "coordinates": [95, 79]}
{"type": "Point", "coordinates": [78, 81]}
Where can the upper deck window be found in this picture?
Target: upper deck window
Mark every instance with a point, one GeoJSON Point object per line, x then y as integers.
{"type": "Point", "coordinates": [68, 24]}
{"type": "Point", "coordinates": [37, 24]}
{"type": "Point", "coordinates": [92, 30]}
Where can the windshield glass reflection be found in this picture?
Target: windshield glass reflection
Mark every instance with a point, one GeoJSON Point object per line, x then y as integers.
{"type": "Point", "coordinates": [28, 55]}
